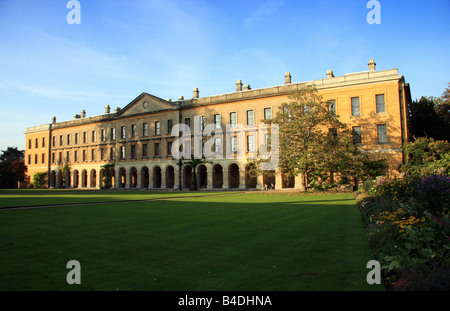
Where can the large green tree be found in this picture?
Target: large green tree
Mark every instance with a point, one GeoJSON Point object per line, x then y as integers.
{"type": "Point", "coordinates": [312, 139]}
{"type": "Point", "coordinates": [12, 167]}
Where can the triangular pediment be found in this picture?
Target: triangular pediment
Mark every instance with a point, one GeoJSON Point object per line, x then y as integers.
{"type": "Point", "coordinates": [145, 103]}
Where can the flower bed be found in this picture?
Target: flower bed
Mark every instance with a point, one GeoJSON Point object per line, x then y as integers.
{"type": "Point", "coordinates": [408, 227]}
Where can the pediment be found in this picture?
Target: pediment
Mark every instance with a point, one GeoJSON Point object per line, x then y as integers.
{"type": "Point", "coordinates": [145, 103]}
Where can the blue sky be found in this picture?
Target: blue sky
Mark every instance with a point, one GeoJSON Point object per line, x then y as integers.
{"type": "Point", "coordinates": [169, 47]}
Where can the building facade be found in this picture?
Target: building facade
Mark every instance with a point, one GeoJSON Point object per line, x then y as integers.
{"type": "Point", "coordinates": [138, 138]}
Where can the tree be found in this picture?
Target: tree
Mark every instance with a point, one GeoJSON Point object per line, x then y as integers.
{"type": "Point", "coordinates": [194, 163]}
{"type": "Point", "coordinates": [312, 140]}
{"type": "Point", "coordinates": [39, 179]}
{"type": "Point", "coordinates": [12, 167]}
{"type": "Point", "coordinates": [107, 178]}
{"type": "Point", "coordinates": [426, 156]}
{"type": "Point", "coordinates": [427, 118]}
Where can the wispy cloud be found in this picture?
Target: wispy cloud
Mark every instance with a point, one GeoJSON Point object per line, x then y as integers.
{"type": "Point", "coordinates": [262, 12]}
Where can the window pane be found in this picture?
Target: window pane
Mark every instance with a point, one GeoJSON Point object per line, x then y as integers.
{"type": "Point", "coordinates": [267, 113]}
{"type": "Point", "coordinates": [357, 135]}
{"type": "Point", "coordinates": [250, 117]}
{"type": "Point", "coordinates": [233, 119]}
{"type": "Point", "coordinates": [382, 134]}
{"type": "Point", "coordinates": [380, 103]}
{"type": "Point", "coordinates": [332, 106]}
{"type": "Point", "coordinates": [355, 106]}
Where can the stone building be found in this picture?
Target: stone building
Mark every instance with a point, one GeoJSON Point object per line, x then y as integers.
{"type": "Point", "coordinates": [138, 138]}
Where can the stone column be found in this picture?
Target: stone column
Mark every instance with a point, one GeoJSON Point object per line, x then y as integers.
{"type": "Point", "coordinates": [299, 182]}
{"type": "Point", "coordinates": [209, 179]}
{"type": "Point", "coordinates": [225, 179]}
{"type": "Point", "coordinates": [241, 178]}
{"type": "Point", "coordinates": [278, 180]}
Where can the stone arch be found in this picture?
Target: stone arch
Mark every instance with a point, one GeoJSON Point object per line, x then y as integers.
{"type": "Point", "coordinates": [53, 179]}
{"type": "Point", "coordinates": [145, 177]}
{"type": "Point", "coordinates": [76, 179]}
{"type": "Point", "coordinates": [101, 178]}
{"type": "Point", "coordinates": [233, 175]}
{"type": "Point", "coordinates": [170, 177]}
{"type": "Point", "coordinates": [133, 177]}
{"type": "Point", "coordinates": [84, 177]}
{"type": "Point", "coordinates": [122, 177]}
{"type": "Point", "coordinates": [269, 179]}
{"type": "Point", "coordinates": [93, 182]}
{"type": "Point", "coordinates": [157, 177]}
{"type": "Point", "coordinates": [68, 179]}
{"type": "Point", "coordinates": [287, 181]}
{"type": "Point", "coordinates": [187, 176]}
{"type": "Point", "coordinates": [217, 176]}
{"type": "Point", "coordinates": [250, 180]}
{"type": "Point", "coordinates": [202, 176]}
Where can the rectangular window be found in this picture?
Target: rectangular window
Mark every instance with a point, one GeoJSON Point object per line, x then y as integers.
{"type": "Point", "coordinates": [156, 149]}
{"type": "Point", "coordinates": [145, 129]}
{"type": "Point", "coordinates": [77, 137]}
{"type": "Point", "coordinates": [123, 133]}
{"type": "Point", "coordinates": [355, 106]}
{"type": "Point", "coordinates": [53, 141]}
{"type": "Point", "coordinates": [267, 113]}
{"type": "Point", "coordinates": [169, 148]}
{"type": "Point", "coordinates": [217, 145]}
{"type": "Point", "coordinates": [94, 136]}
{"type": "Point", "coordinates": [84, 155]}
{"type": "Point", "coordinates": [68, 156]}
{"type": "Point", "coordinates": [43, 158]}
{"type": "Point", "coordinates": [380, 103]}
{"type": "Point", "coordinates": [122, 152]}
{"type": "Point", "coordinates": [35, 159]}
{"type": "Point", "coordinates": [29, 159]}
{"type": "Point", "coordinates": [84, 137]}
{"type": "Point", "coordinates": [357, 139]}
{"type": "Point", "coordinates": [53, 157]}
{"type": "Point", "coordinates": [112, 153]}
{"type": "Point", "coordinates": [233, 144]}
{"type": "Point", "coordinates": [69, 139]}
{"type": "Point", "coordinates": [75, 156]}
{"type": "Point", "coordinates": [59, 157]}
{"type": "Point", "coordinates": [144, 150]}
{"type": "Point", "coordinates": [43, 142]}
{"type": "Point", "coordinates": [250, 143]}
{"type": "Point", "coordinates": [37, 143]}
{"type": "Point", "coordinates": [332, 106]}
{"type": "Point", "coordinates": [29, 143]}
{"type": "Point", "coordinates": [250, 120]}
{"type": "Point", "coordinates": [382, 133]}
{"type": "Point", "coordinates": [93, 155]}
{"type": "Point", "coordinates": [113, 133]}
{"type": "Point", "coordinates": [217, 121]}
{"type": "Point", "coordinates": [133, 151]}
{"type": "Point", "coordinates": [157, 128]}
{"type": "Point", "coordinates": [169, 126]}
{"type": "Point", "coordinates": [60, 140]}
{"type": "Point", "coordinates": [233, 119]}
{"type": "Point", "coordinates": [103, 135]}
{"type": "Point", "coordinates": [187, 121]}
{"type": "Point", "coordinates": [102, 154]}
{"type": "Point", "coordinates": [133, 130]}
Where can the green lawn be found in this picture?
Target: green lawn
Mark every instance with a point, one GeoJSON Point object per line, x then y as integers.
{"type": "Point", "coordinates": [253, 241]}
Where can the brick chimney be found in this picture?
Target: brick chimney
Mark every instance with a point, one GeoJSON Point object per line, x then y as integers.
{"type": "Point", "coordinates": [372, 65]}
{"type": "Point", "coordinates": [107, 109]}
{"type": "Point", "coordinates": [287, 78]}
{"type": "Point", "coordinates": [83, 113]}
{"type": "Point", "coordinates": [247, 87]}
{"type": "Point", "coordinates": [330, 74]}
{"type": "Point", "coordinates": [196, 93]}
{"type": "Point", "coordinates": [238, 85]}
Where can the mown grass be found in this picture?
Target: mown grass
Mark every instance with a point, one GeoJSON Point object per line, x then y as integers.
{"type": "Point", "coordinates": [256, 241]}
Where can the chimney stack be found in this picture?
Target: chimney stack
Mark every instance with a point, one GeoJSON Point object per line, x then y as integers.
{"type": "Point", "coordinates": [287, 78]}
{"type": "Point", "coordinates": [372, 65]}
{"type": "Point", "coordinates": [117, 109]}
{"type": "Point", "coordinates": [330, 74]}
{"type": "Point", "coordinates": [83, 113]}
{"type": "Point", "coordinates": [53, 119]}
{"type": "Point", "coordinates": [107, 109]}
{"type": "Point", "coordinates": [247, 87]}
{"type": "Point", "coordinates": [196, 93]}
{"type": "Point", "coordinates": [181, 98]}
{"type": "Point", "coordinates": [238, 86]}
